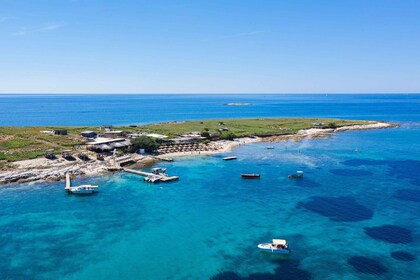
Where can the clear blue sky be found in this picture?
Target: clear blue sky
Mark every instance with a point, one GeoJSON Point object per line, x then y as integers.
{"type": "Point", "coordinates": [218, 46]}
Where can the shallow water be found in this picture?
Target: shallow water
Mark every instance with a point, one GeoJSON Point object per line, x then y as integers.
{"type": "Point", "coordinates": [207, 224]}
{"type": "Point", "coordinates": [354, 215]}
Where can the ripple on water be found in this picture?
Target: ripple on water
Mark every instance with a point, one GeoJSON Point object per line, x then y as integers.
{"type": "Point", "coordinates": [350, 172]}
{"type": "Point", "coordinates": [367, 265]}
{"type": "Point", "coordinates": [390, 234]}
{"type": "Point", "coordinates": [305, 182]}
{"type": "Point", "coordinates": [408, 195]}
{"type": "Point", "coordinates": [343, 209]}
{"type": "Point", "coordinates": [359, 162]}
{"type": "Point", "coordinates": [403, 256]}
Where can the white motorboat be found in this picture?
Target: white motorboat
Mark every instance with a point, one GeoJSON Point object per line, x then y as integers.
{"type": "Point", "coordinates": [83, 189]}
{"type": "Point", "coordinates": [230, 158]}
{"type": "Point", "coordinates": [279, 246]}
{"type": "Point", "coordinates": [152, 178]}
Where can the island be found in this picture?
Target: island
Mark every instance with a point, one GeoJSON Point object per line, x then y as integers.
{"type": "Point", "coordinates": [49, 153]}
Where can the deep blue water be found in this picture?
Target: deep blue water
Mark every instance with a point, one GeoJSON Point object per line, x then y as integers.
{"type": "Point", "coordinates": [354, 215]}
{"type": "Point", "coordinates": [32, 110]}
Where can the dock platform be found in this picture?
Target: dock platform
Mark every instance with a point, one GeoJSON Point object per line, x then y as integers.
{"type": "Point", "coordinates": [162, 178]}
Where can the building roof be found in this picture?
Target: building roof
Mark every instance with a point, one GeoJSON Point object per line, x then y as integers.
{"type": "Point", "coordinates": [155, 135]}
{"type": "Point", "coordinates": [100, 140]}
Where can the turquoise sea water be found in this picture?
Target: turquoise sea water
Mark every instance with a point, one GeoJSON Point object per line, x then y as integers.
{"type": "Point", "coordinates": [355, 215]}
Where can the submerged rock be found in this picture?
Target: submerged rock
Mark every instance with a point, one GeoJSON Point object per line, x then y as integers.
{"type": "Point", "coordinates": [390, 234]}
{"type": "Point", "coordinates": [403, 256]}
{"type": "Point", "coordinates": [367, 265]}
{"type": "Point", "coordinates": [343, 209]}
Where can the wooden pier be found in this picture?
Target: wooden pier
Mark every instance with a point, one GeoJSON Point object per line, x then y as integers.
{"type": "Point", "coordinates": [161, 177]}
{"type": "Point", "coordinates": [68, 182]}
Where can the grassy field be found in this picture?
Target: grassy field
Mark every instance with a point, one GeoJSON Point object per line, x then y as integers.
{"type": "Point", "coordinates": [18, 143]}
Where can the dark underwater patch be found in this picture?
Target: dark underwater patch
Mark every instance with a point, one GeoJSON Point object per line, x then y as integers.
{"type": "Point", "coordinates": [390, 234]}
{"type": "Point", "coordinates": [286, 271]}
{"type": "Point", "coordinates": [406, 169]}
{"type": "Point", "coordinates": [408, 195]}
{"type": "Point", "coordinates": [360, 162]}
{"type": "Point", "coordinates": [226, 275]}
{"type": "Point", "coordinates": [342, 209]}
{"type": "Point", "coordinates": [350, 172]}
{"type": "Point", "coordinates": [402, 169]}
{"type": "Point", "coordinates": [403, 256]}
{"type": "Point", "coordinates": [367, 265]}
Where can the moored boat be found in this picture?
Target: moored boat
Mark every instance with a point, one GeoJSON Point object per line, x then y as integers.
{"type": "Point", "coordinates": [152, 178]}
{"type": "Point", "coordinates": [298, 175]}
{"type": "Point", "coordinates": [230, 158]}
{"type": "Point", "coordinates": [83, 189]}
{"type": "Point", "coordinates": [279, 246]}
{"type": "Point", "coordinates": [250, 176]}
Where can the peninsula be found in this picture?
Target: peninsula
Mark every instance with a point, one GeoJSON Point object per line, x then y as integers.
{"type": "Point", "coordinates": [48, 153]}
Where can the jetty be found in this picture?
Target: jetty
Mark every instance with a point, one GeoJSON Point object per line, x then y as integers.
{"type": "Point", "coordinates": [68, 182]}
{"type": "Point", "coordinates": [161, 177]}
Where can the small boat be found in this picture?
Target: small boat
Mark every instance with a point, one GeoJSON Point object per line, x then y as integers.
{"type": "Point", "coordinates": [250, 176]}
{"type": "Point", "coordinates": [279, 246]}
{"type": "Point", "coordinates": [298, 175]}
{"type": "Point", "coordinates": [152, 178]}
{"type": "Point", "coordinates": [270, 147]}
{"type": "Point", "coordinates": [83, 189]}
{"type": "Point", "coordinates": [230, 158]}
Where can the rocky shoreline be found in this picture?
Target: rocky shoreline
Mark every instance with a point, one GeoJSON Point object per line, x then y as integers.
{"type": "Point", "coordinates": [42, 169]}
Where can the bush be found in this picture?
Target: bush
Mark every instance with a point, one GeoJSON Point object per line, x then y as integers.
{"type": "Point", "coordinates": [143, 142]}
{"type": "Point", "coordinates": [227, 135]}
{"type": "Point", "coordinates": [205, 133]}
{"type": "Point", "coordinates": [331, 125]}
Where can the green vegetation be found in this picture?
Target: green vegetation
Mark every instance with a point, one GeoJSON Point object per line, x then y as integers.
{"type": "Point", "coordinates": [243, 127]}
{"type": "Point", "coordinates": [143, 142]}
{"type": "Point", "coordinates": [17, 143]}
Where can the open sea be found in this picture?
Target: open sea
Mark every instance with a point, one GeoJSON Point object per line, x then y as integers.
{"type": "Point", "coordinates": [354, 215]}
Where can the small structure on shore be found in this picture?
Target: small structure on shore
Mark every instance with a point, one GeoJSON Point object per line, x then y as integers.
{"type": "Point", "coordinates": [59, 132]}
{"type": "Point", "coordinates": [108, 144]}
{"type": "Point", "coordinates": [67, 155]}
{"type": "Point", "coordinates": [49, 154]}
{"type": "Point", "coordinates": [88, 134]}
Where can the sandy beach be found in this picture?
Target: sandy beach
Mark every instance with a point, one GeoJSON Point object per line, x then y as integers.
{"type": "Point", "coordinates": [42, 169]}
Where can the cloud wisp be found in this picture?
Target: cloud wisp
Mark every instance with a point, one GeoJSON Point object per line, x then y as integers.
{"type": "Point", "coordinates": [23, 30]}
{"type": "Point", "coordinates": [242, 34]}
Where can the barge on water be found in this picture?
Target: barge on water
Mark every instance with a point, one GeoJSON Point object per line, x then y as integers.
{"type": "Point", "coordinates": [250, 176]}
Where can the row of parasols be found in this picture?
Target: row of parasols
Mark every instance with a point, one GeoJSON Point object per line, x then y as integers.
{"type": "Point", "coordinates": [185, 148]}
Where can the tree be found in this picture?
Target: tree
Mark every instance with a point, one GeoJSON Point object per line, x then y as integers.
{"type": "Point", "coordinates": [331, 125]}
{"type": "Point", "coordinates": [143, 142]}
{"type": "Point", "coordinates": [205, 133]}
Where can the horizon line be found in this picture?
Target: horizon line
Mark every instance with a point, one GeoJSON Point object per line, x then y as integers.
{"type": "Point", "coordinates": [197, 93]}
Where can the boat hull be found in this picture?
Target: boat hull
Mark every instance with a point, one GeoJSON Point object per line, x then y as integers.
{"type": "Point", "coordinates": [250, 176]}
{"type": "Point", "coordinates": [268, 249]}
